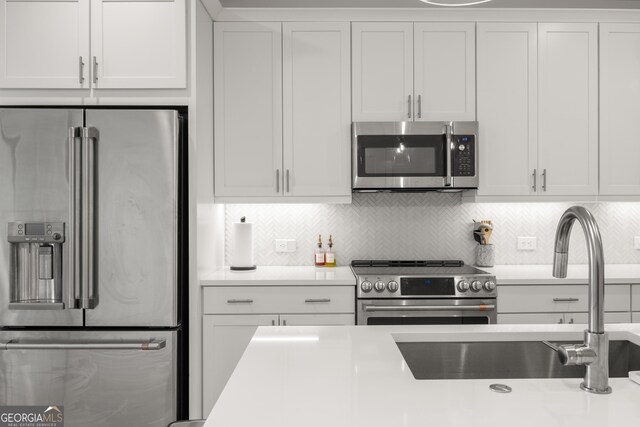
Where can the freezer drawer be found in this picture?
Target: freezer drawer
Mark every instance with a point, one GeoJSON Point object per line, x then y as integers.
{"type": "Point", "coordinates": [101, 378]}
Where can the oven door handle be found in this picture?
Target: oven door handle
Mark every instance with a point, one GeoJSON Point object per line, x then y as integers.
{"type": "Point", "coordinates": [479, 307]}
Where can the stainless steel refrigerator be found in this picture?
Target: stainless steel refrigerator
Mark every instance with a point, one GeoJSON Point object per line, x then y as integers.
{"type": "Point", "coordinates": [92, 276]}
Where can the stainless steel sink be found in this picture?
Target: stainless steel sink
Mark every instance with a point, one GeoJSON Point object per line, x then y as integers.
{"type": "Point", "coordinates": [515, 359]}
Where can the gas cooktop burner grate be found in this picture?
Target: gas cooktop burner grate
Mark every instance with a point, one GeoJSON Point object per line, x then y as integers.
{"type": "Point", "coordinates": [407, 263]}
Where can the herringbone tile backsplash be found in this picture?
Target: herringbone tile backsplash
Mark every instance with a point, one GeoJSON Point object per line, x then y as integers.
{"type": "Point", "coordinates": [428, 226]}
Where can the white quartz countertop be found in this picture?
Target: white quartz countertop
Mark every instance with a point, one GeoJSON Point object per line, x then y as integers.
{"type": "Point", "coordinates": [576, 274]}
{"type": "Point", "coordinates": [280, 275]}
{"type": "Point", "coordinates": [356, 377]}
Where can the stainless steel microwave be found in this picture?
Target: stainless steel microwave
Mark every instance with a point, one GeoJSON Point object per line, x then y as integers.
{"type": "Point", "coordinates": [414, 156]}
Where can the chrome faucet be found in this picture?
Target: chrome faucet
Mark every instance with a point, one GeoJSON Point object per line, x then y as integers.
{"type": "Point", "coordinates": [594, 352]}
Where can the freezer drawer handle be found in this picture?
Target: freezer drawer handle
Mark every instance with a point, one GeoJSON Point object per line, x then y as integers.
{"type": "Point", "coordinates": [479, 307]}
{"type": "Point", "coordinates": [566, 299]}
{"type": "Point", "coordinates": [310, 300]}
{"type": "Point", "coordinates": [152, 344]}
{"type": "Point", "coordinates": [239, 301]}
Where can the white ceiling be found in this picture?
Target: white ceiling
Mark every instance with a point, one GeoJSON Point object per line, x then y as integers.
{"type": "Point", "coordinates": [555, 4]}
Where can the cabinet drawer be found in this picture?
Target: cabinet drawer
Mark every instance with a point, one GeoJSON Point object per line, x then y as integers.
{"type": "Point", "coordinates": [609, 317]}
{"type": "Point", "coordinates": [635, 297]}
{"type": "Point", "coordinates": [558, 298]}
{"type": "Point", "coordinates": [279, 299]}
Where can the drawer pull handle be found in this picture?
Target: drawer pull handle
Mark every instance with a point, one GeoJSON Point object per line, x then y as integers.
{"type": "Point", "coordinates": [313, 300]}
{"type": "Point", "coordinates": [239, 301]}
{"type": "Point", "coordinates": [566, 299]}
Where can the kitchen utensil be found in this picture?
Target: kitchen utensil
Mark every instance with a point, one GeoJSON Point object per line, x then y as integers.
{"type": "Point", "coordinates": [485, 232]}
{"type": "Point", "coordinates": [477, 236]}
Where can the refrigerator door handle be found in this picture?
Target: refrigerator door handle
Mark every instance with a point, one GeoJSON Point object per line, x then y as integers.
{"type": "Point", "coordinates": [88, 297]}
{"type": "Point", "coordinates": [144, 345]}
{"type": "Point", "coordinates": [75, 216]}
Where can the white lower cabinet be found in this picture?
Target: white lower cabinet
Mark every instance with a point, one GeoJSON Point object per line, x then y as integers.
{"type": "Point", "coordinates": [525, 304]}
{"type": "Point", "coordinates": [225, 339]}
{"type": "Point", "coordinates": [560, 318]}
{"type": "Point", "coordinates": [635, 317]}
{"type": "Point", "coordinates": [233, 313]}
{"type": "Point", "coordinates": [635, 297]}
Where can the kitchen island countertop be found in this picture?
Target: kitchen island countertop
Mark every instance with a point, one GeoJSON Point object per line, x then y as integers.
{"type": "Point", "coordinates": [357, 377]}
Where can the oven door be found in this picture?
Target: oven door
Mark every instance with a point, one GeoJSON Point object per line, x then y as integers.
{"type": "Point", "coordinates": [426, 311]}
{"type": "Point", "coordinates": [397, 155]}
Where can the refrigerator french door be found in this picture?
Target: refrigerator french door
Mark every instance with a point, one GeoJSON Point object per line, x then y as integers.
{"type": "Point", "coordinates": [89, 263]}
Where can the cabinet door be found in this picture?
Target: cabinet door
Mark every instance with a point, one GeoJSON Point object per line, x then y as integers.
{"type": "Point", "coordinates": [635, 297]}
{"type": "Point", "coordinates": [317, 122]}
{"type": "Point", "coordinates": [138, 44]}
{"type": "Point", "coordinates": [531, 318]}
{"type": "Point", "coordinates": [568, 109]}
{"type": "Point", "coordinates": [444, 71]}
{"type": "Point", "coordinates": [248, 108]}
{"type": "Point", "coordinates": [44, 44]}
{"type": "Point", "coordinates": [224, 340]}
{"type": "Point", "coordinates": [317, 319]}
{"type": "Point", "coordinates": [382, 71]}
{"type": "Point", "coordinates": [635, 317]}
{"type": "Point", "coordinates": [507, 101]}
{"type": "Point", "coordinates": [619, 108]}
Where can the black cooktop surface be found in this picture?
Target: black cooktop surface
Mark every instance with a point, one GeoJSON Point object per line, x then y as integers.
{"type": "Point", "coordinates": [414, 268]}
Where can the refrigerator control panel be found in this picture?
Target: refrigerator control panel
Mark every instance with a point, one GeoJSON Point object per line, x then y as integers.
{"type": "Point", "coordinates": [35, 232]}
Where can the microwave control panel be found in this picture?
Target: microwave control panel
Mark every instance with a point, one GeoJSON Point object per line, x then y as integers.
{"type": "Point", "coordinates": [464, 155]}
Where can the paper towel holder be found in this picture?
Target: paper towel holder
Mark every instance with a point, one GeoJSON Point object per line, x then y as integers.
{"type": "Point", "coordinates": [243, 268]}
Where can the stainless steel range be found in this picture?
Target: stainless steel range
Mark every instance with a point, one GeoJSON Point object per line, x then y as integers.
{"type": "Point", "coordinates": [423, 293]}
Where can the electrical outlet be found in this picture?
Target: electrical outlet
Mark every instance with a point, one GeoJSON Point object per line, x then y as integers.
{"type": "Point", "coordinates": [527, 243]}
{"type": "Point", "coordinates": [636, 242]}
{"type": "Point", "coordinates": [285, 245]}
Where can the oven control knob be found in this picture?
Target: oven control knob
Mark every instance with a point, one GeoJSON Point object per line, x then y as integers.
{"type": "Point", "coordinates": [463, 286]}
{"type": "Point", "coordinates": [489, 285]}
{"type": "Point", "coordinates": [476, 286]}
{"type": "Point", "coordinates": [366, 286]}
{"type": "Point", "coordinates": [392, 286]}
{"type": "Point", "coordinates": [379, 286]}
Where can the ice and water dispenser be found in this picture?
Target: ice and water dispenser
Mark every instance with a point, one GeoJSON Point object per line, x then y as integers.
{"type": "Point", "coordinates": [36, 265]}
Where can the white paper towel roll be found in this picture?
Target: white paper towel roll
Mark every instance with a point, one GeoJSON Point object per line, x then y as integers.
{"type": "Point", "coordinates": [242, 246]}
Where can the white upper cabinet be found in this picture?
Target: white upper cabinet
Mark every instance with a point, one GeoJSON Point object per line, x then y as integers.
{"type": "Point", "coordinates": [619, 109]}
{"type": "Point", "coordinates": [382, 71]}
{"type": "Point", "coordinates": [138, 44]}
{"type": "Point", "coordinates": [413, 71]}
{"type": "Point", "coordinates": [282, 112]}
{"type": "Point", "coordinates": [444, 71]}
{"type": "Point", "coordinates": [317, 119]}
{"type": "Point", "coordinates": [78, 44]}
{"type": "Point", "coordinates": [507, 102]}
{"type": "Point", "coordinates": [248, 109]}
{"type": "Point", "coordinates": [568, 108]}
{"type": "Point", "coordinates": [44, 44]}
{"type": "Point", "coordinates": [538, 109]}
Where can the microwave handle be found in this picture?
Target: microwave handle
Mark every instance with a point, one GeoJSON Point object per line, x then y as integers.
{"type": "Point", "coordinates": [448, 150]}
